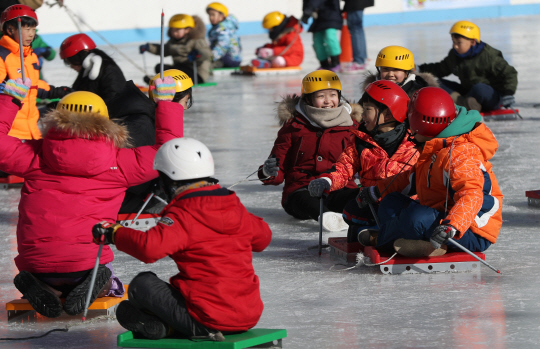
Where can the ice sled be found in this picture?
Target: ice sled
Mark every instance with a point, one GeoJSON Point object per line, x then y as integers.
{"type": "Point", "coordinates": [20, 309]}
{"type": "Point", "coordinates": [143, 222]}
{"type": "Point", "coordinates": [10, 181]}
{"type": "Point", "coordinates": [254, 338]}
{"type": "Point", "coordinates": [533, 197]}
{"type": "Point", "coordinates": [341, 249]}
{"type": "Point", "coordinates": [251, 70]}
{"type": "Point", "coordinates": [501, 114]}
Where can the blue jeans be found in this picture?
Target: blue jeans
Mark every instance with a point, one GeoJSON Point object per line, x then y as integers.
{"type": "Point", "coordinates": [358, 38]}
{"type": "Point", "coordinates": [483, 93]}
{"type": "Point", "coordinates": [402, 217]}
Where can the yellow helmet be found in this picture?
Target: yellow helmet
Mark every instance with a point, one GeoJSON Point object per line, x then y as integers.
{"type": "Point", "coordinates": [183, 81]}
{"type": "Point", "coordinates": [273, 19]}
{"type": "Point", "coordinates": [181, 21]}
{"type": "Point", "coordinates": [219, 8]}
{"type": "Point", "coordinates": [83, 102]}
{"type": "Point", "coordinates": [395, 57]}
{"type": "Point", "coordinates": [466, 29]}
{"type": "Point", "coordinates": [320, 80]}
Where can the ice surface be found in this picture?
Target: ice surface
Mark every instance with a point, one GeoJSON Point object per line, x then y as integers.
{"type": "Point", "coordinates": [360, 308]}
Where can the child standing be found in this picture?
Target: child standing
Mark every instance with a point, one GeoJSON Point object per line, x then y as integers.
{"type": "Point", "coordinates": [210, 235]}
{"type": "Point", "coordinates": [327, 20]}
{"type": "Point", "coordinates": [458, 194]}
{"type": "Point", "coordinates": [187, 44]}
{"type": "Point", "coordinates": [316, 130]}
{"type": "Point", "coordinates": [286, 48]}
{"type": "Point", "coordinates": [355, 13]}
{"type": "Point", "coordinates": [381, 149]}
{"type": "Point", "coordinates": [224, 41]}
{"type": "Point", "coordinates": [396, 64]}
{"type": "Point", "coordinates": [487, 81]}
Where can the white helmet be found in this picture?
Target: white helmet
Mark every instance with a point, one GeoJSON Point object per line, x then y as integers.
{"type": "Point", "coordinates": [184, 158]}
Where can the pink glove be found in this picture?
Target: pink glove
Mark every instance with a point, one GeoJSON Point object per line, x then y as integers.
{"type": "Point", "coordinates": [17, 88]}
{"type": "Point", "coordinates": [164, 89]}
{"type": "Point", "coordinates": [265, 52]}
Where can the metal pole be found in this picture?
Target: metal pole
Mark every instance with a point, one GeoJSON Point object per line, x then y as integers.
{"type": "Point", "coordinates": [21, 47]}
{"type": "Point", "coordinates": [142, 208]}
{"type": "Point", "coordinates": [92, 280]}
{"type": "Point", "coordinates": [144, 63]}
{"type": "Point", "coordinates": [195, 78]}
{"type": "Point", "coordinates": [162, 51]}
{"type": "Point", "coordinates": [374, 215]}
{"type": "Point", "coordinates": [320, 224]}
{"type": "Point", "coordinates": [458, 245]}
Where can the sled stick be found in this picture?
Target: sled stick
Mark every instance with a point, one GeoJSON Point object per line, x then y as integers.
{"type": "Point", "coordinates": [195, 78]}
{"type": "Point", "coordinates": [374, 215]}
{"type": "Point", "coordinates": [458, 245]}
{"type": "Point", "coordinates": [321, 211]}
{"type": "Point", "coordinates": [517, 113]}
{"type": "Point", "coordinates": [21, 47]}
{"type": "Point", "coordinates": [92, 280]}
{"type": "Point", "coordinates": [142, 208]}
{"type": "Point", "coordinates": [162, 49]}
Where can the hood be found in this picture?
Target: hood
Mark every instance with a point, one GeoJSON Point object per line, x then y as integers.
{"type": "Point", "coordinates": [429, 78]}
{"type": "Point", "coordinates": [199, 32]}
{"type": "Point", "coordinates": [286, 108]}
{"type": "Point", "coordinates": [356, 113]}
{"type": "Point", "coordinates": [289, 25]}
{"type": "Point", "coordinates": [463, 123]}
{"type": "Point", "coordinates": [81, 144]}
{"type": "Point", "coordinates": [229, 23]}
{"type": "Point", "coordinates": [130, 101]}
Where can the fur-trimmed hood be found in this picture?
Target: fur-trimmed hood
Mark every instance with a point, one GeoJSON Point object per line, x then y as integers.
{"type": "Point", "coordinates": [199, 32]}
{"type": "Point", "coordinates": [418, 79]}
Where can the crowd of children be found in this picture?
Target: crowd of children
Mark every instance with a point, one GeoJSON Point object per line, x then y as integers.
{"type": "Point", "coordinates": [414, 141]}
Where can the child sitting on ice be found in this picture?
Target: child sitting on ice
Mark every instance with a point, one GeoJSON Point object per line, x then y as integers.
{"type": "Point", "coordinates": [286, 49]}
{"type": "Point", "coordinates": [316, 129]}
{"type": "Point", "coordinates": [381, 149]}
{"type": "Point", "coordinates": [74, 177]}
{"type": "Point", "coordinates": [396, 64]}
{"type": "Point", "coordinates": [458, 194]}
{"type": "Point", "coordinates": [187, 44]}
{"type": "Point", "coordinates": [487, 81]}
{"type": "Point", "coordinates": [210, 235]}
{"type": "Point", "coordinates": [223, 37]}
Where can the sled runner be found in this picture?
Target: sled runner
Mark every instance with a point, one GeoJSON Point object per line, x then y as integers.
{"type": "Point", "coordinates": [341, 249]}
{"type": "Point", "coordinates": [501, 114]}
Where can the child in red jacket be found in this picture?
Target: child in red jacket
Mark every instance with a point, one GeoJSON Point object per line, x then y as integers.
{"type": "Point", "coordinates": [286, 49]}
{"type": "Point", "coordinates": [381, 149]}
{"type": "Point", "coordinates": [210, 235]}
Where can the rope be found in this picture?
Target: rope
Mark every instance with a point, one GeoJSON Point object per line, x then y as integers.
{"type": "Point", "coordinates": [248, 180]}
{"type": "Point", "coordinates": [360, 259]}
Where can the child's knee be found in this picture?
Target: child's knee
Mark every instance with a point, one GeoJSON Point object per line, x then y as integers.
{"type": "Point", "coordinates": [278, 62]}
{"type": "Point", "coordinates": [140, 282]}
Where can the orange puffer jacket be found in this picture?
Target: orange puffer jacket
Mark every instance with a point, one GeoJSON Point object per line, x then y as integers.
{"type": "Point", "coordinates": [474, 197]}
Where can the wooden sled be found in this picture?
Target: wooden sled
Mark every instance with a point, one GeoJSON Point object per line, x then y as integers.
{"type": "Point", "coordinates": [250, 70]}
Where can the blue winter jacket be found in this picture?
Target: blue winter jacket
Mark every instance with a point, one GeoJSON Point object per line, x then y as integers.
{"type": "Point", "coordinates": [224, 39]}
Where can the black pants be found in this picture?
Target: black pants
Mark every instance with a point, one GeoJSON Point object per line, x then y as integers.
{"type": "Point", "coordinates": [149, 293]}
{"type": "Point", "coordinates": [300, 204]}
{"type": "Point", "coordinates": [358, 218]}
{"type": "Point", "coordinates": [185, 67]}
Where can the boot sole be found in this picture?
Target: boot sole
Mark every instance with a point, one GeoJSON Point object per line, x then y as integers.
{"type": "Point", "coordinates": [42, 300]}
{"type": "Point", "coordinates": [135, 320]}
{"type": "Point", "coordinates": [76, 299]}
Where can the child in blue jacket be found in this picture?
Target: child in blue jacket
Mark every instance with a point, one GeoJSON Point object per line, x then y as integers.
{"type": "Point", "coordinates": [223, 37]}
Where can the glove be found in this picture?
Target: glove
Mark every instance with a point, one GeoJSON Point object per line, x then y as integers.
{"type": "Point", "coordinates": [144, 48]}
{"type": "Point", "coordinates": [164, 90]}
{"type": "Point", "coordinates": [368, 195]}
{"type": "Point", "coordinates": [192, 56]}
{"type": "Point", "coordinates": [59, 92]}
{"type": "Point", "coordinates": [441, 234]}
{"type": "Point", "coordinates": [17, 88]}
{"type": "Point", "coordinates": [104, 232]}
{"type": "Point", "coordinates": [508, 101]}
{"type": "Point", "coordinates": [265, 52]}
{"type": "Point", "coordinates": [319, 186]}
{"type": "Point", "coordinates": [305, 18]}
{"type": "Point", "coordinates": [271, 166]}
{"type": "Point", "coordinates": [42, 51]}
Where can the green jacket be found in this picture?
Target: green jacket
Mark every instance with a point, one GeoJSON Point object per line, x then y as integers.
{"type": "Point", "coordinates": [488, 67]}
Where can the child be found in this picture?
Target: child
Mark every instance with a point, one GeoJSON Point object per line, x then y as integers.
{"type": "Point", "coordinates": [224, 41]}
{"type": "Point", "coordinates": [286, 49]}
{"type": "Point", "coordinates": [396, 64]}
{"type": "Point", "coordinates": [186, 45]}
{"type": "Point", "coordinates": [97, 72]}
{"type": "Point", "coordinates": [43, 51]}
{"type": "Point", "coordinates": [73, 178]}
{"type": "Point", "coordinates": [210, 235]}
{"type": "Point", "coordinates": [355, 13]}
{"type": "Point", "coordinates": [327, 20]}
{"type": "Point", "coordinates": [487, 81]}
{"type": "Point", "coordinates": [457, 191]}
{"type": "Point", "coordinates": [381, 149]}
{"type": "Point", "coordinates": [316, 130]}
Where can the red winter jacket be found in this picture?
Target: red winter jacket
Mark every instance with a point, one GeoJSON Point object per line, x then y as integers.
{"type": "Point", "coordinates": [75, 177]}
{"type": "Point", "coordinates": [294, 54]}
{"type": "Point", "coordinates": [305, 151]}
{"type": "Point", "coordinates": [210, 235]}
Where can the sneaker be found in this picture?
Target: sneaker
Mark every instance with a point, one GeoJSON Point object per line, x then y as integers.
{"type": "Point", "coordinates": [418, 248]}
{"type": "Point", "coordinates": [333, 221]}
{"type": "Point", "coordinates": [354, 68]}
{"type": "Point", "coordinates": [135, 320]}
{"type": "Point", "coordinates": [368, 237]}
{"type": "Point", "coordinates": [335, 69]}
{"type": "Point", "coordinates": [40, 296]}
{"type": "Point", "coordinates": [76, 299]}
{"type": "Point", "coordinates": [260, 63]}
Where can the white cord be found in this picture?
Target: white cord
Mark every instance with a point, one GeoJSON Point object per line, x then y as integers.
{"type": "Point", "coordinates": [360, 259]}
{"type": "Point", "coordinates": [249, 180]}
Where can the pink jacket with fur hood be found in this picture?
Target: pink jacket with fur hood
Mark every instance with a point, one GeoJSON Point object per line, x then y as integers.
{"type": "Point", "coordinates": [75, 177]}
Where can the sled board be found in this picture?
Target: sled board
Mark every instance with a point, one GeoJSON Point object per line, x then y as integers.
{"type": "Point", "coordinates": [533, 197]}
{"type": "Point", "coordinates": [343, 250]}
{"type": "Point", "coordinates": [205, 84]}
{"type": "Point", "coordinates": [251, 70]}
{"type": "Point", "coordinates": [254, 338]}
{"type": "Point", "coordinates": [101, 306]}
{"type": "Point", "coordinates": [450, 262]}
{"type": "Point", "coordinates": [224, 71]}
{"type": "Point", "coordinates": [144, 221]}
{"type": "Point", "coordinates": [10, 181]}
{"type": "Point", "coordinates": [500, 114]}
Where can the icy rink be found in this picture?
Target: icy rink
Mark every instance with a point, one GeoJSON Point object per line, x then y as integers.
{"type": "Point", "coordinates": [360, 308]}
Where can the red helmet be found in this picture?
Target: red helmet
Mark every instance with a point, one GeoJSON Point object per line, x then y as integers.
{"type": "Point", "coordinates": [75, 44]}
{"type": "Point", "coordinates": [16, 11]}
{"type": "Point", "coordinates": [391, 95]}
{"type": "Point", "coordinates": [431, 111]}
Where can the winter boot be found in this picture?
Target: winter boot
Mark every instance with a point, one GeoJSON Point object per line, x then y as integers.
{"type": "Point", "coordinates": [334, 64]}
{"type": "Point", "coordinates": [352, 233]}
{"type": "Point", "coordinates": [76, 299]}
{"type": "Point", "coordinates": [418, 248]}
{"type": "Point", "coordinates": [261, 63]}
{"type": "Point", "coordinates": [135, 320]}
{"type": "Point", "coordinates": [333, 221]}
{"type": "Point", "coordinates": [472, 104]}
{"type": "Point", "coordinates": [324, 64]}
{"type": "Point", "coordinates": [368, 237]}
{"type": "Point", "coordinates": [213, 335]}
{"type": "Point", "coordinates": [40, 295]}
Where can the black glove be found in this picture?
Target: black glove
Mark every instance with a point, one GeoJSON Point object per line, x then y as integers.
{"type": "Point", "coordinates": [271, 166]}
{"type": "Point", "coordinates": [59, 92]}
{"type": "Point", "coordinates": [368, 195]}
{"type": "Point", "coordinates": [192, 56]}
{"type": "Point", "coordinates": [441, 234]}
{"type": "Point", "coordinates": [305, 18]}
{"type": "Point", "coordinates": [508, 101]}
{"type": "Point", "coordinates": [144, 48]}
{"type": "Point", "coordinates": [104, 232]}
{"type": "Point", "coordinates": [318, 187]}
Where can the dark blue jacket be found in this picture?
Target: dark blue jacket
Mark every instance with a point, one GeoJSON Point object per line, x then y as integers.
{"type": "Point", "coordinates": [328, 14]}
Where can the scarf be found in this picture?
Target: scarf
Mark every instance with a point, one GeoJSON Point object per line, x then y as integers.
{"type": "Point", "coordinates": [473, 51]}
{"type": "Point", "coordinates": [326, 118]}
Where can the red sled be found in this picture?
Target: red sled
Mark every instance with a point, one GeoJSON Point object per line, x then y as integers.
{"type": "Point", "coordinates": [6, 182]}
{"type": "Point", "coordinates": [145, 221]}
{"type": "Point", "coordinates": [501, 114]}
{"type": "Point", "coordinates": [533, 197]}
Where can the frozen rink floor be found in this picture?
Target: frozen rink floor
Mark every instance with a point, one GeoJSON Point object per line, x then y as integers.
{"type": "Point", "coordinates": [360, 308]}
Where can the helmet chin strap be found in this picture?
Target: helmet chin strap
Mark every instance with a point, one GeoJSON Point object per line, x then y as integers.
{"type": "Point", "coordinates": [376, 128]}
